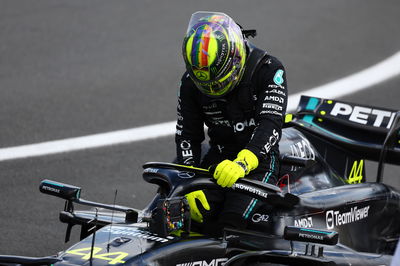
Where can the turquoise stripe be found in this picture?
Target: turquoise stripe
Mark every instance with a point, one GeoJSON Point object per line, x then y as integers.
{"type": "Point", "coordinates": [316, 231]}
{"type": "Point", "coordinates": [309, 119]}
{"type": "Point", "coordinates": [54, 184]}
{"type": "Point", "coordinates": [264, 181]}
{"type": "Point", "coordinates": [312, 103]}
{"type": "Point", "coordinates": [251, 208]}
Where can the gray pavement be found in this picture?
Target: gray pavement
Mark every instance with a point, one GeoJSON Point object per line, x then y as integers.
{"type": "Point", "coordinates": [72, 68]}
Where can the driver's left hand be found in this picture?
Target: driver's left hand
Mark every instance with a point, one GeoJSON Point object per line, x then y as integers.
{"type": "Point", "coordinates": [228, 172]}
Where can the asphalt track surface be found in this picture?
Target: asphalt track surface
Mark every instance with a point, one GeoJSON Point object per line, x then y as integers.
{"type": "Point", "coordinates": [74, 68]}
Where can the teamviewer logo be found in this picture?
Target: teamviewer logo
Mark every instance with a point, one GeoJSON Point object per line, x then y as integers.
{"type": "Point", "coordinates": [329, 220]}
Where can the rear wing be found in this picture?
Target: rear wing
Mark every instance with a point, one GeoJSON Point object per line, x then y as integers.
{"type": "Point", "coordinates": [359, 130]}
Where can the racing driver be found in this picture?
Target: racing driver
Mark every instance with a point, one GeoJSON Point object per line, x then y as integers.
{"type": "Point", "coordinates": [239, 92]}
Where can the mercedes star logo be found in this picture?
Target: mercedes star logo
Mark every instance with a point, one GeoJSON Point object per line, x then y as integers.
{"type": "Point", "coordinates": [186, 174]}
{"type": "Point", "coordinates": [201, 75]}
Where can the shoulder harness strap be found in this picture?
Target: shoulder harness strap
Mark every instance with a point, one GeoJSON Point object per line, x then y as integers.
{"type": "Point", "coordinates": [254, 61]}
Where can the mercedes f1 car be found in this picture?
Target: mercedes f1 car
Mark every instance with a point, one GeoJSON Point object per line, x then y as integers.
{"type": "Point", "coordinates": [321, 212]}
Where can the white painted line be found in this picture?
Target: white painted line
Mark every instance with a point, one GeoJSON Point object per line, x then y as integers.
{"type": "Point", "coordinates": [366, 78]}
{"type": "Point", "coordinates": [378, 73]}
{"type": "Point", "coordinates": [88, 142]}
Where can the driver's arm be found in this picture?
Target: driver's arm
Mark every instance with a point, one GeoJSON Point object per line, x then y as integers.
{"type": "Point", "coordinates": [189, 126]}
{"type": "Point", "coordinates": [270, 109]}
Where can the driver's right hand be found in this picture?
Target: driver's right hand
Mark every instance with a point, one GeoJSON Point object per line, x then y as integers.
{"type": "Point", "coordinates": [194, 210]}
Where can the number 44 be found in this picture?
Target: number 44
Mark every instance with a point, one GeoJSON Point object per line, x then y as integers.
{"type": "Point", "coordinates": [112, 257]}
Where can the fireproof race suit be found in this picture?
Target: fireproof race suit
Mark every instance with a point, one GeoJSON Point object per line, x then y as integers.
{"type": "Point", "coordinates": [249, 117]}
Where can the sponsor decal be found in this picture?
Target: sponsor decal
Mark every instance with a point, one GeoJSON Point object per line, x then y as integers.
{"type": "Point", "coordinates": [270, 112]}
{"type": "Point", "coordinates": [260, 218]}
{"type": "Point", "coordinates": [306, 222]}
{"type": "Point", "coordinates": [273, 139]}
{"type": "Point", "coordinates": [336, 218]}
{"type": "Point", "coordinates": [250, 189]}
{"type": "Point", "coordinates": [216, 121]}
{"type": "Point", "coordinates": [303, 149]}
{"type": "Point", "coordinates": [214, 262]}
{"type": "Point", "coordinates": [356, 172]}
{"type": "Point", "coordinates": [278, 78]}
{"type": "Point", "coordinates": [151, 170]}
{"type": "Point", "coordinates": [179, 117]}
{"type": "Point", "coordinates": [311, 236]}
{"type": "Point", "coordinates": [272, 106]}
{"type": "Point", "coordinates": [213, 113]}
{"type": "Point", "coordinates": [132, 231]}
{"type": "Point", "coordinates": [111, 257]}
{"type": "Point", "coordinates": [187, 152]}
{"type": "Point", "coordinates": [240, 126]}
{"type": "Point", "coordinates": [224, 50]}
{"type": "Point", "coordinates": [210, 106]}
{"type": "Point", "coordinates": [363, 115]}
{"type": "Point", "coordinates": [275, 87]}
{"type": "Point", "coordinates": [51, 189]}
{"type": "Point", "coordinates": [273, 98]}
{"type": "Point", "coordinates": [186, 174]}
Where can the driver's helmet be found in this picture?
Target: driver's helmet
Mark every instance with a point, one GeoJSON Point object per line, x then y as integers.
{"type": "Point", "coordinates": [214, 52]}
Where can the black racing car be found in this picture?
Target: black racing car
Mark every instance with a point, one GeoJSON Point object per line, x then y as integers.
{"type": "Point", "coordinates": [321, 212]}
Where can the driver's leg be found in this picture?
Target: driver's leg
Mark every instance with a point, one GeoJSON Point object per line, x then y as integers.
{"type": "Point", "coordinates": [238, 208]}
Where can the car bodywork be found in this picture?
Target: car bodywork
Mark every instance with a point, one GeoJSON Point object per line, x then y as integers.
{"type": "Point", "coordinates": [321, 212]}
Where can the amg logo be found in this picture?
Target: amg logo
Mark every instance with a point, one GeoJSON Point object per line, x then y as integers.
{"type": "Point", "coordinates": [335, 218]}
{"type": "Point", "coordinates": [364, 115]}
{"type": "Point", "coordinates": [214, 262]}
{"type": "Point", "coordinates": [51, 189]}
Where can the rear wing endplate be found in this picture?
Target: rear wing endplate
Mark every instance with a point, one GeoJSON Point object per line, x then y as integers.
{"type": "Point", "coordinates": [361, 129]}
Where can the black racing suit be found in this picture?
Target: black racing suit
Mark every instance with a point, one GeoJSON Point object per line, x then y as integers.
{"type": "Point", "coordinates": [249, 117]}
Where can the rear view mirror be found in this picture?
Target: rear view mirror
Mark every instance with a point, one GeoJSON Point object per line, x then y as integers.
{"type": "Point", "coordinates": [61, 190]}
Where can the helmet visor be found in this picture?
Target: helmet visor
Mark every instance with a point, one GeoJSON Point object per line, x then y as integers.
{"type": "Point", "coordinates": [214, 52]}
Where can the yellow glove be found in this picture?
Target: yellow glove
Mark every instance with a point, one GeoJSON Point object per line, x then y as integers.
{"type": "Point", "coordinates": [228, 172]}
{"type": "Point", "coordinates": [247, 159]}
{"type": "Point", "coordinates": [194, 210]}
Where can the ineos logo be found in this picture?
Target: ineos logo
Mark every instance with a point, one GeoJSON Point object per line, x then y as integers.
{"type": "Point", "coordinates": [260, 218]}
{"type": "Point", "coordinates": [186, 174]}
